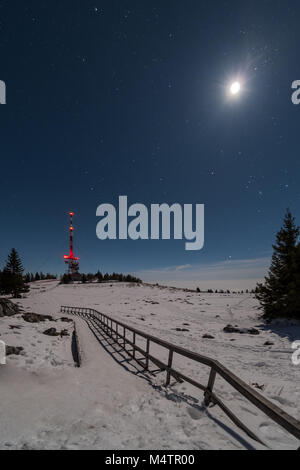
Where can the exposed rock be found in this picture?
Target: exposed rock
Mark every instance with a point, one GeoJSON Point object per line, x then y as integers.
{"type": "Point", "coordinates": [208, 336]}
{"type": "Point", "coordinates": [230, 329]}
{"type": "Point", "coordinates": [241, 331]}
{"type": "Point", "coordinates": [268, 343]}
{"type": "Point", "coordinates": [36, 318]}
{"type": "Point", "coordinates": [13, 351]}
{"type": "Point", "coordinates": [253, 331]}
{"type": "Point", "coordinates": [180, 329]}
{"type": "Point", "coordinates": [51, 332]}
{"type": "Point", "coordinates": [54, 332]}
{"type": "Point", "coordinates": [66, 320]}
{"type": "Point", "coordinates": [8, 308]}
{"type": "Point", "coordinates": [15, 327]}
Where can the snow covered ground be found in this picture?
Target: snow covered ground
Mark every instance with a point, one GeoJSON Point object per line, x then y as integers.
{"type": "Point", "coordinates": [109, 403]}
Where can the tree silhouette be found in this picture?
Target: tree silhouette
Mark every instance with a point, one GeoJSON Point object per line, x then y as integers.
{"type": "Point", "coordinates": [12, 281]}
{"type": "Point", "coordinates": [279, 296]}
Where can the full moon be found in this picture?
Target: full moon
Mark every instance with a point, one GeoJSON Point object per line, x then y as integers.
{"type": "Point", "coordinates": [235, 88]}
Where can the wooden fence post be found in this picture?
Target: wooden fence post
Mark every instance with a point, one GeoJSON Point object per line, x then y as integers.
{"type": "Point", "coordinates": [170, 361]}
{"type": "Point", "coordinates": [210, 386]}
{"type": "Point", "coordinates": [147, 356]}
{"type": "Point", "coordinates": [134, 339]}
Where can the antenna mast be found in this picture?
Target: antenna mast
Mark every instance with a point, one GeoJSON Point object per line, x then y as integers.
{"type": "Point", "coordinates": [71, 260]}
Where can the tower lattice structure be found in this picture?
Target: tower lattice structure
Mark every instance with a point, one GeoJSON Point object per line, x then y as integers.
{"type": "Point", "coordinates": [71, 260]}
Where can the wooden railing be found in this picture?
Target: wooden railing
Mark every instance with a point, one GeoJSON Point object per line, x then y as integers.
{"type": "Point", "coordinates": [124, 334]}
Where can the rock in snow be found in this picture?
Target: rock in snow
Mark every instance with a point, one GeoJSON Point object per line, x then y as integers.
{"type": "Point", "coordinates": [13, 350]}
{"type": "Point", "coordinates": [8, 308]}
{"type": "Point", "coordinates": [51, 332]}
{"type": "Point", "coordinates": [242, 331]}
{"type": "Point", "coordinates": [36, 318]}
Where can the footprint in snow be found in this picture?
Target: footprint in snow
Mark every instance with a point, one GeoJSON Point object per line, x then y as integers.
{"type": "Point", "coordinates": [173, 397]}
{"type": "Point", "coordinates": [195, 413]}
{"type": "Point", "coordinates": [260, 364]}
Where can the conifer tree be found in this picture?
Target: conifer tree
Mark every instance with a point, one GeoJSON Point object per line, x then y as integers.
{"type": "Point", "coordinates": [294, 287]}
{"type": "Point", "coordinates": [12, 281]}
{"type": "Point", "coordinates": [279, 296]}
{"type": "Point", "coordinates": [14, 263]}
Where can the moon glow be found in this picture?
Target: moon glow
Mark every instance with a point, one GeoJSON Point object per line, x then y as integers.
{"type": "Point", "coordinates": [235, 88]}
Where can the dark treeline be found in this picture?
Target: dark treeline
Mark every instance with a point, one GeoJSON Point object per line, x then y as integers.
{"type": "Point", "coordinates": [30, 277]}
{"type": "Point", "coordinates": [99, 277]}
{"type": "Point", "coordinates": [227, 291]}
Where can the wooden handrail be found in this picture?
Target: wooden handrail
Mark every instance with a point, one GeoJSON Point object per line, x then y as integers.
{"type": "Point", "coordinates": [279, 416]}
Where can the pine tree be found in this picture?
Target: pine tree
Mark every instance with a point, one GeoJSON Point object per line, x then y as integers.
{"type": "Point", "coordinates": [12, 281]}
{"type": "Point", "coordinates": [279, 296]}
{"type": "Point", "coordinates": [294, 287]}
{"type": "Point", "coordinates": [14, 263]}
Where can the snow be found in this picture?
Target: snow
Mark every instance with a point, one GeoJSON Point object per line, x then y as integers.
{"type": "Point", "coordinates": [109, 403]}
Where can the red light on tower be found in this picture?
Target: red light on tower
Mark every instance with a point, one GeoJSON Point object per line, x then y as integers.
{"type": "Point", "coordinates": [71, 260]}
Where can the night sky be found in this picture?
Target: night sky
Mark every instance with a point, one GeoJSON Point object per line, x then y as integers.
{"type": "Point", "coordinates": [109, 98]}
